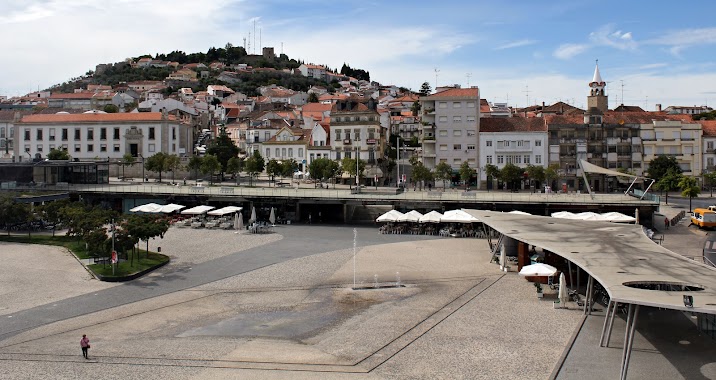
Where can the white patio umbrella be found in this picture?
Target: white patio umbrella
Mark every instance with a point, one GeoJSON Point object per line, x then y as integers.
{"type": "Point", "coordinates": [198, 210]}
{"type": "Point", "coordinates": [539, 269]}
{"type": "Point", "coordinates": [563, 297]}
{"type": "Point", "coordinates": [518, 212]}
{"type": "Point", "coordinates": [239, 225]}
{"type": "Point", "coordinates": [458, 216]}
{"type": "Point", "coordinates": [410, 216]}
{"type": "Point", "coordinates": [617, 217]}
{"type": "Point", "coordinates": [636, 216]}
{"type": "Point", "coordinates": [272, 217]}
{"type": "Point", "coordinates": [390, 216]}
{"type": "Point", "coordinates": [148, 208]}
{"type": "Point", "coordinates": [170, 208]}
{"type": "Point", "coordinates": [236, 221]}
{"type": "Point", "coordinates": [253, 215]}
{"type": "Point", "coordinates": [431, 217]}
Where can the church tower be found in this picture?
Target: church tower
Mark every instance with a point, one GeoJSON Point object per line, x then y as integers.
{"type": "Point", "coordinates": [597, 97]}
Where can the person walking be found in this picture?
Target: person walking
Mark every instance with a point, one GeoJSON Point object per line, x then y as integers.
{"type": "Point", "coordinates": [85, 345]}
{"type": "Point", "coordinates": [666, 223]}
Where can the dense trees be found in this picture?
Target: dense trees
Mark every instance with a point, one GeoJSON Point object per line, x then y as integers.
{"type": "Point", "coordinates": [210, 165]}
{"type": "Point", "coordinates": [58, 154]}
{"type": "Point", "coordinates": [323, 169]}
{"type": "Point", "coordinates": [659, 166]}
{"type": "Point", "coordinates": [223, 148]}
{"type": "Point", "coordinates": [466, 172]}
{"type": "Point", "coordinates": [355, 73]}
{"type": "Point", "coordinates": [254, 165]}
{"type": "Point", "coordinates": [443, 172]}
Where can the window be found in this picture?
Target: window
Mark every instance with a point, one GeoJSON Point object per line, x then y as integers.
{"type": "Point", "coordinates": [90, 148]}
{"type": "Point", "coordinates": [348, 134]}
{"type": "Point", "coordinates": [152, 148]}
{"type": "Point", "coordinates": [338, 155]}
{"type": "Point", "coordinates": [470, 104]}
{"type": "Point", "coordinates": [300, 152]}
{"type": "Point", "coordinates": [27, 134]}
{"type": "Point", "coordinates": [500, 159]}
{"type": "Point", "coordinates": [709, 162]}
{"type": "Point", "coordinates": [267, 136]}
{"type": "Point", "coordinates": [518, 159]}
{"type": "Point", "coordinates": [508, 159]}
{"type": "Point", "coordinates": [64, 134]}
{"type": "Point", "coordinates": [443, 133]}
{"type": "Point", "coordinates": [527, 159]}
{"type": "Point", "coordinates": [538, 142]}
{"type": "Point", "coordinates": [277, 152]}
{"type": "Point", "coordinates": [174, 133]}
{"type": "Point", "coordinates": [442, 119]}
{"type": "Point", "coordinates": [710, 145]}
{"type": "Point", "coordinates": [116, 134]}
{"type": "Point", "coordinates": [77, 134]}
{"type": "Point", "coordinates": [90, 134]}
{"type": "Point", "coordinates": [488, 159]}
{"type": "Point", "coordinates": [443, 147]}
{"type": "Point", "coordinates": [507, 143]}
{"type": "Point", "coordinates": [52, 134]}
{"type": "Point", "coordinates": [470, 119]}
{"type": "Point", "coordinates": [39, 134]}
{"type": "Point", "coordinates": [338, 134]}
{"type": "Point", "coordinates": [151, 133]}
{"type": "Point", "coordinates": [520, 143]}
{"type": "Point", "coordinates": [538, 158]}
{"type": "Point", "coordinates": [77, 147]}
{"type": "Point", "coordinates": [283, 152]}
{"type": "Point", "coordinates": [116, 147]}
{"type": "Point", "coordinates": [442, 104]}
{"type": "Point", "coordinates": [52, 146]}
{"type": "Point", "coordinates": [102, 147]}
{"type": "Point", "coordinates": [457, 133]}
{"type": "Point", "coordinates": [471, 147]}
{"type": "Point", "coordinates": [290, 152]}
{"type": "Point", "coordinates": [488, 142]}
{"type": "Point", "coordinates": [457, 119]}
{"type": "Point", "coordinates": [103, 133]}
{"type": "Point", "coordinates": [27, 148]}
{"type": "Point", "coordinates": [357, 133]}
{"type": "Point", "coordinates": [470, 133]}
{"type": "Point", "coordinates": [457, 147]}
{"type": "Point", "coordinates": [268, 152]}
{"type": "Point", "coordinates": [456, 162]}
{"type": "Point", "coordinates": [311, 157]}
{"type": "Point", "coordinates": [39, 147]}
{"type": "Point", "coordinates": [456, 105]}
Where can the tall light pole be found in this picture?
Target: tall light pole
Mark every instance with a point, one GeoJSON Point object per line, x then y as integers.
{"type": "Point", "coordinates": [397, 165]}
{"type": "Point", "coordinates": [357, 169]}
{"type": "Point", "coordinates": [143, 177]}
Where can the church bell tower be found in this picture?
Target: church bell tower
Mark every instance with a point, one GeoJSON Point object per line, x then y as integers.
{"type": "Point", "coordinates": [597, 97]}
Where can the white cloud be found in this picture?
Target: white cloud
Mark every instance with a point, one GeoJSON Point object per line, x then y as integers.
{"type": "Point", "coordinates": [567, 51]}
{"type": "Point", "coordinates": [605, 36]}
{"type": "Point", "coordinates": [678, 40]}
{"type": "Point", "coordinates": [515, 44]}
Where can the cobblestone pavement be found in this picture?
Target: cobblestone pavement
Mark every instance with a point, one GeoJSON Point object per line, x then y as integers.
{"type": "Point", "coordinates": [296, 317]}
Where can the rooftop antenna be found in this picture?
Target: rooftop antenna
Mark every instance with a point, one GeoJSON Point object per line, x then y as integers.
{"type": "Point", "coordinates": [254, 51]}
{"type": "Point", "coordinates": [249, 50]}
{"type": "Point", "coordinates": [281, 48]}
{"type": "Point", "coordinates": [622, 83]}
{"type": "Point", "coordinates": [646, 103]}
{"type": "Point", "coordinates": [436, 78]}
{"type": "Point", "coordinates": [261, 46]}
{"type": "Point", "coordinates": [468, 75]}
{"type": "Point", "coordinates": [527, 94]}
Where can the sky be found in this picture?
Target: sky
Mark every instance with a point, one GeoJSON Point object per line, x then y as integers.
{"type": "Point", "coordinates": [527, 52]}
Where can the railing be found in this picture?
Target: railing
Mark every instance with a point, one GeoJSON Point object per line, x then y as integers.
{"type": "Point", "coordinates": [457, 196]}
{"type": "Point", "coordinates": [647, 197]}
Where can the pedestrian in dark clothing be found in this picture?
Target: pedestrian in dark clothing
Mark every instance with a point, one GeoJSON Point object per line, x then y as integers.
{"type": "Point", "coordinates": [85, 345]}
{"type": "Point", "coordinates": [666, 223]}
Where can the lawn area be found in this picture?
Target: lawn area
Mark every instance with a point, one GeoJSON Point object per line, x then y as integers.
{"type": "Point", "coordinates": [77, 247]}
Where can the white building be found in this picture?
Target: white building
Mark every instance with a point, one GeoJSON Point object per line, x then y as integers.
{"type": "Point", "coordinates": [452, 118]}
{"type": "Point", "coordinates": [313, 71]}
{"type": "Point", "coordinates": [287, 144]}
{"type": "Point", "coordinates": [91, 136]}
{"type": "Point", "coordinates": [709, 140]}
{"type": "Point", "coordinates": [514, 140]}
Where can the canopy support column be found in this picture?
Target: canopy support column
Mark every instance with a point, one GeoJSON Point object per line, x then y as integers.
{"type": "Point", "coordinates": [628, 339]}
{"type": "Point", "coordinates": [588, 296]}
{"type": "Point", "coordinates": [569, 266]}
{"type": "Point", "coordinates": [606, 323]}
{"type": "Point", "coordinates": [611, 324]}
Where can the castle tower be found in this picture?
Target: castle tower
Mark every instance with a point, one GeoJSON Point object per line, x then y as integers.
{"type": "Point", "coordinates": [597, 97]}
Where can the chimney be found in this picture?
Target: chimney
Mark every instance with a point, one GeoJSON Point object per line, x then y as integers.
{"type": "Point", "coordinates": [658, 107]}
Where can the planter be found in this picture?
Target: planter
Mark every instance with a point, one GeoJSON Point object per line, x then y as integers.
{"type": "Point", "coordinates": [540, 295]}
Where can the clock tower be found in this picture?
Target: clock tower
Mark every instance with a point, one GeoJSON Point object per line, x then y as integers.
{"type": "Point", "coordinates": [597, 97]}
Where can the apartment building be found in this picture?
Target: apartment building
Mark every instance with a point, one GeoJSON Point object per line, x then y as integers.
{"type": "Point", "coordinates": [450, 127]}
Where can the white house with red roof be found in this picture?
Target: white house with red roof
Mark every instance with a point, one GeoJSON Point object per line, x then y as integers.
{"type": "Point", "coordinates": [313, 71]}
{"type": "Point", "coordinates": [288, 144]}
{"type": "Point", "coordinates": [89, 136]}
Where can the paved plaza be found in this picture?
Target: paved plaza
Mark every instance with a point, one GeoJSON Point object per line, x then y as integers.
{"type": "Point", "coordinates": [281, 306]}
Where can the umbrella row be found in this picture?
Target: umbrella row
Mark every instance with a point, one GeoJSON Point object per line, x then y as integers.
{"type": "Point", "coordinates": [452, 216]}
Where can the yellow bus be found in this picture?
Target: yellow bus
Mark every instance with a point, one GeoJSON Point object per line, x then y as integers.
{"type": "Point", "coordinates": [704, 218]}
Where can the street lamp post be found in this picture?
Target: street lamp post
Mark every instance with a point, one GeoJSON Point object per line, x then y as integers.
{"type": "Point", "coordinates": [358, 169]}
{"type": "Point", "coordinates": [397, 165]}
{"type": "Point", "coordinates": [143, 177]}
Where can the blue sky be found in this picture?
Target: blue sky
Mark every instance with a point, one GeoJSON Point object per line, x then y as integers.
{"type": "Point", "coordinates": [518, 52]}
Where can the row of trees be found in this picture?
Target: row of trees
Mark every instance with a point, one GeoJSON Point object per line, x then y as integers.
{"type": "Point", "coordinates": [86, 222]}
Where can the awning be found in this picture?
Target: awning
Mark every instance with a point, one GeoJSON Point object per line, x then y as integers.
{"type": "Point", "coordinates": [458, 216]}
{"type": "Point", "coordinates": [225, 210]}
{"type": "Point", "coordinates": [148, 208]}
{"type": "Point", "coordinates": [198, 210]}
{"type": "Point", "coordinates": [591, 168]}
{"type": "Point", "coordinates": [431, 217]}
{"type": "Point", "coordinates": [390, 216]}
{"type": "Point", "coordinates": [170, 208]}
{"type": "Point", "coordinates": [410, 216]}
{"type": "Point", "coordinates": [373, 172]}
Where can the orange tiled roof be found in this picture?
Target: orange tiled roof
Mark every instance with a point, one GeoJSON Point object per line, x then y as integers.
{"type": "Point", "coordinates": [709, 127]}
{"type": "Point", "coordinates": [316, 107]}
{"type": "Point", "coordinates": [456, 93]}
{"type": "Point", "coordinates": [611, 117]}
{"type": "Point", "coordinates": [95, 117]}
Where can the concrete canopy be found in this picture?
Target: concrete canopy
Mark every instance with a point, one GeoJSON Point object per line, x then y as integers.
{"type": "Point", "coordinates": [617, 256]}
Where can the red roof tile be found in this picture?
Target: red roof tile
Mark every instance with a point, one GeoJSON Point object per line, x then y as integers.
{"type": "Point", "coordinates": [456, 93]}
{"type": "Point", "coordinates": [512, 124]}
{"type": "Point", "coordinates": [709, 127]}
{"type": "Point", "coordinates": [95, 117]}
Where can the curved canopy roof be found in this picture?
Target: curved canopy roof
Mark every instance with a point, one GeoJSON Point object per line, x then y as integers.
{"type": "Point", "coordinates": [616, 255]}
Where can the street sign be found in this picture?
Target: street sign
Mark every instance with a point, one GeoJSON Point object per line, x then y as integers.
{"type": "Point", "coordinates": [114, 257]}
